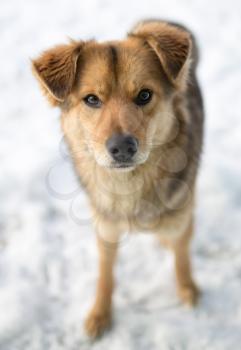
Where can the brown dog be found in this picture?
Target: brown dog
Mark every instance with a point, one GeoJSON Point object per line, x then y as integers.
{"type": "Point", "coordinates": [133, 118]}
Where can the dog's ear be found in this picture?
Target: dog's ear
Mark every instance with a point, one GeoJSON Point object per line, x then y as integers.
{"type": "Point", "coordinates": [55, 69]}
{"type": "Point", "coordinates": [171, 44]}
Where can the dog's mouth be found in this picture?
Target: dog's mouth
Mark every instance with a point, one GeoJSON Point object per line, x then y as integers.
{"type": "Point", "coordinates": [122, 166]}
{"type": "Point", "coordinates": [125, 166]}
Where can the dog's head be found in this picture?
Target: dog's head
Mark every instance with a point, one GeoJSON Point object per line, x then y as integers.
{"type": "Point", "coordinates": [116, 96]}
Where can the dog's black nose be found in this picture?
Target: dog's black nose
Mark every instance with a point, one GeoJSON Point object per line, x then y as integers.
{"type": "Point", "coordinates": [121, 147]}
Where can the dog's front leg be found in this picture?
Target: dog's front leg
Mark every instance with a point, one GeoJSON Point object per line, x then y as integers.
{"type": "Point", "coordinates": [187, 289]}
{"type": "Point", "coordinates": [99, 318]}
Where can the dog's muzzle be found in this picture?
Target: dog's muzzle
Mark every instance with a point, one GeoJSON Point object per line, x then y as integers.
{"type": "Point", "coordinates": [122, 148]}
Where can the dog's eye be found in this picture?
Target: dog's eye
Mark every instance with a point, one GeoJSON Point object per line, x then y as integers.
{"type": "Point", "coordinates": [143, 97]}
{"type": "Point", "coordinates": [92, 101]}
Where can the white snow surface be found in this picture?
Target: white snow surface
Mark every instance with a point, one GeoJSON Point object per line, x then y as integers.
{"type": "Point", "coordinates": [48, 256]}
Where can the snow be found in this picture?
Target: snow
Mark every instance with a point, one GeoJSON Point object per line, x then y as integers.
{"type": "Point", "coordinates": [48, 258]}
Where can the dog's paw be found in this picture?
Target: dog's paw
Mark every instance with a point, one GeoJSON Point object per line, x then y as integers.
{"type": "Point", "coordinates": [97, 323]}
{"type": "Point", "coordinates": [189, 294]}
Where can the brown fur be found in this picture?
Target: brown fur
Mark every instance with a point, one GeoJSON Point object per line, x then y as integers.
{"type": "Point", "coordinates": [157, 194]}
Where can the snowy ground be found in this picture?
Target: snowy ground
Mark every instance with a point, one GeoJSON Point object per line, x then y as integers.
{"type": "Point", "coordinates": [47, 247]}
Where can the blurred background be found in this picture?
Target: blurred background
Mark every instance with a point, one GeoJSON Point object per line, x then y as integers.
{"type": "Point", "coordinates": [48, 258]}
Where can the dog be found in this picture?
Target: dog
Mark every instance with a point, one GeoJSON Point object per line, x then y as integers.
{"type": "Point", "coordinates": [132, 115]}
